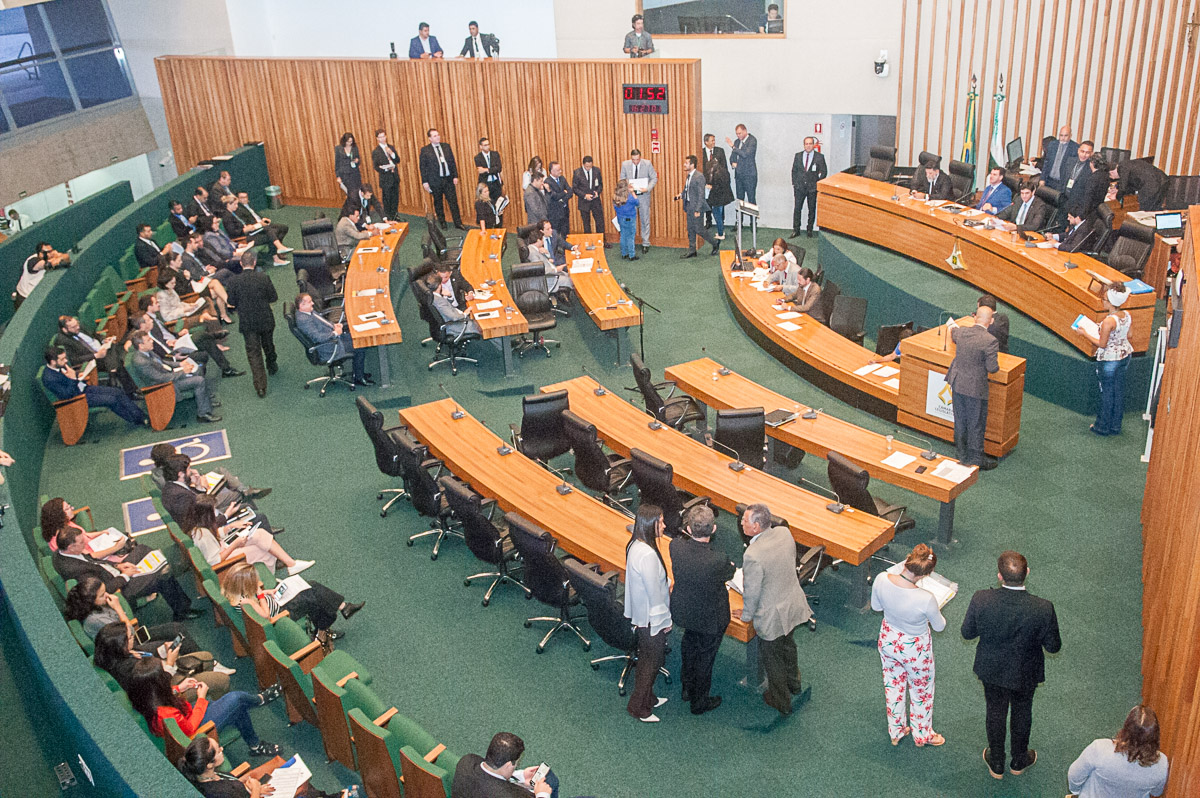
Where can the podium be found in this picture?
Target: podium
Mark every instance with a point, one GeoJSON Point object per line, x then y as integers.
{"type": "Point", "coordinates": [924, 401]}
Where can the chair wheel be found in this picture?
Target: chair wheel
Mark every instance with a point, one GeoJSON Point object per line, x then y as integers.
{"type": "Point", "coordinates": [466, 583]}
{"type": "Point", "coordinates": [383, 514]}
{"type": "Point", "coordinates": [540, 649]}
{"type": "Point", "coordinates": [528, 624]}
{"type": "Point", "coordinates": [408, 543]}
{"type": "Point", "coordinates": [812, 624]}
{"type": "Point", "coordinates": [486, 602]}
{"type": "Point", "coordinates": [307, 386]}
{"type": "Point", "coordinates": [587, 646]}
{"type": "Point", "coordinates": [595, 667]}
{"type": "Point", "coordinates": [558, 345]}
{"type": "Point", "coordinates": [431, 368]}
{"type": "Point", "coordinates": [528, 597]}
{"type": "Point", "coordinates": [621, 692]}
{"type": "Point", "coordinates": [547, 353]}
{"type": "Point", "coordinates": [433, 557]}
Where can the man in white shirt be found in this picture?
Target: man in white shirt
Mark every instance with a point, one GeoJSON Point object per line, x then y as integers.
{"type": "Point", "coordinates": [488, 776]}
{"type": "Point", "coordinates": [639, 169]}
{"type": "Point", "coordinates": [478, 45]}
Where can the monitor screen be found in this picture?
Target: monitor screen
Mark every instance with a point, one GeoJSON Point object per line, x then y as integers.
{"type": "Point", "coordinates": [1015, 149]}
{"type": "Point", "coordinates": [1168, 221]}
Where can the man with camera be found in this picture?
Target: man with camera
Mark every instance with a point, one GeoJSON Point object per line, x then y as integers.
{"type": "Point", "coordinates": [43, 259]}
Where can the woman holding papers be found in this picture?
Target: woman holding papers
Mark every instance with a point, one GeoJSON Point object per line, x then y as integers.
{"type": "Point", "coordinates": [906, 646]}
{"type": "Point", "coordinates": [116, 653]}
{"type": "Point", "coordinates": [311, 600]}
{"type": "Point", "coordinates": [200, 282]}
{"type": "Point", "coordinates": [259, 545]}
{"type": "Point", "coordinates": [107, 544]}
{"type": "Point", "coordinates": [1113, 352]}
{"type": "Point", "coordinates": [171, 308]}
{"type": "Point", "coordinates": [648, 608]}
{"type": "Point", "coordinates": [201, 763]}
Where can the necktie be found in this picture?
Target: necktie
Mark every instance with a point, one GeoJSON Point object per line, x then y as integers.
{"type": "Point", "coordinates": [635, 171]}
{"type": "Point", "coordinates": [478, 48]}
{"type": "Point", "coordinates": [1058, 156]}
{"type": "Point", "coordinates": [443, 170]}
{"type": "Point", "coordinates": [686, 183]}
{"type": "Point", "coordinates": [807, 161]}
{"type": "Point", "coordinates": [932, 183]}
{"type": "Point", "coordinates": [589, 178]}
{"type": "Point", "coordinates": [487, 159]}
{"type": "Point", "coordinates": [1021, 215]}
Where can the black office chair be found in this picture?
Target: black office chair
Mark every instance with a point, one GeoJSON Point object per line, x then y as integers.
{"type": "Point", "coordinates": [850, 482]}
{"type": "Point", "coordinates": [452, 337]}
{"type": "Point", "coordinates": [529, 291]}
{"type": "Point", "coordinates": [387, 450]}
{"type": "Point", "coordinates": [1114, 155]}
{"type": "Point", "coordinates": [924, 158]}
{"type": "Point", "coordinates": [1040, 161]}
{"type": "Point", "coordinates": [1106, 236]}
{"type": "Point", "coordinates": [606, 616]}
{"type": "Point", "coordinates": [485, 540]}
{"type": "Point", "coordinates": [655, 482]}
{"type": "Point", "coordinates": [1131, 249]}
{"type": "Point", "coordinates": [421, 474]}
{"type": "Point", "coordinates": [745, 432]}
{"type": "Point", "coordinates": [604, 472]}
{"type": "Point", "coordinates": [447, 250]}
{"type": "Point", "coordinates": [889, 337]}
{"type": "Point", "coordinates": [849, 317]}
{"type": "Point", "coordinates": [798, 252]}
{"type": "Point", "coordinates": [880, 164]}
{"type": "Point", "coordinates": [819, 275]}
{"type": "Point", "coordinates": [334, 363]}
{"type": "Point", "coordinates": [323, 269]}
{"type": "Point", "coordinates": [1182, 192]}
{"type": "Point", "coordinates": [545, 578]}
{"type": "Point", "coordinates": [1054, 199]}
{"type": "Point", "coordinates": [324, 297]}
{"type": "Point", "coordinates": [318, 234]}
{"type": "Point", "coordinates": [543, 434]}
{"type": "Point", "coordinates": [1013, 181]}
{"type": "Point", "coordinates": [421, 292]}
{"type": "Point", "coordinates": [674, 411]}
{"type": "Point", "coordinates": [823, 308]}
{"type": "Point", "coordinates": [810, 562]}
{"type": "Point", "coordinates": [962, 177]}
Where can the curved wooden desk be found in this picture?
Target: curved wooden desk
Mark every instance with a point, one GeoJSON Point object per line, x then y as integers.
{"type": "Point", "coordinates": [1034, 281]}
{"type": "Point", "coordinates": [368, 290]}
{"type": "Point", "coordinates": [480, 266]}
{"type": "Point", "coordinates": [599, 292]}
{"type": "Point", "coordinates": [702, 380]}
{"type": "Point", "coordinates": [584, 526]}
{"type": "Point", "coordinates": [849, 536]}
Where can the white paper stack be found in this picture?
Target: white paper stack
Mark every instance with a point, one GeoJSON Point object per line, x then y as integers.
{"type": "Point", "coordinates": [790, 326]}
{"type": "Point", "coordinates": [736, 582]}
{"type": "Point", "coordinates": [289, 777]}
{"type": "Point", "coordinates": [495, 303]}
{"type": "Point", "coordinates": [370, 325]}
{"type": "Point", "coordinates": [952, 470]}
{"type": "Point", "coordinates": [887, 371]}
{"type": "Point", "coordinates": [582, 265]}
{"type": "Point", "coordinates": [892, 383]}
{"type": "Point", "coordinates": [898, 459]}
{"type": "Point", "coordinates": [867, 369]}
{"type": "Point", "coordinates": [791, 314]}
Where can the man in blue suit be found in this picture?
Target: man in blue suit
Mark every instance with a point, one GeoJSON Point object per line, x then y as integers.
{"type": "Point", "coordinates": [332, 340]}
{"type": "Point", "coordinates": [423, 45]}
{"type": "Point", "coordinates": [743, 154]}
{"type": "Point", "coordinates": [62, 381]}
{"type": "Point", "coordinates": [996, 196]}
{"type": "Point", "coordinates": [1058, 158]}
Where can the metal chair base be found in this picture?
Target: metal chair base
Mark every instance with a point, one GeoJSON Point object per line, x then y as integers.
{"type": "Point", "coordinates": [522, 345]}
{"type": "Point", "coordinates": [329, 379]}
{"type": "Point", "coordinates": [559, 624]}
{"type": "Point", "coordinates": [453, 359]}
{"type": "Point", "coordinates": [400, 493]}
{"type": "Point", "coordinates": [437, 544]}
{"type": "Point", "coordinates": [499, 579]}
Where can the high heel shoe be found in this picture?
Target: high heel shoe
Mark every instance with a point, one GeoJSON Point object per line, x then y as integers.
{"type": "Point", "coordinates": [903, 733]}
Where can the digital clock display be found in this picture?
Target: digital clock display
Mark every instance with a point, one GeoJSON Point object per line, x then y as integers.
{"type": "Point", "coordinates": [644, 98]}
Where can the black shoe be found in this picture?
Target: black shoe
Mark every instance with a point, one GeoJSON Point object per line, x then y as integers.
{"type": "Point", "coordinates": [634, 257]}
{"type": "Point", "coordinates": [219, 335]}
{"type": "Point", "coordinates": [991, 772]}
{"type": "Point", "coordinates": [208, 418]}
{"type": "Point", "coordinates": [1028, 765]}
{"type": "Point", "coordinates": [265, 749]}
{"type": "Point", "coordinates": [262, 393]}
{"type": "Point", "coordinates": [645, 249]}
{"type": "Point", "coordinates": [232, 372]}
{"type": "Point", "coordinates": [706, 705]}
{"type": "Point", "coordinates": [256, 493]}
{"type": "Point", "coordinates": [349, 610]}
{"type": "Point", "coordinates": [273, 368]}
{"type": "Point", "coordinates": [687, 255]}
{"type": "Point", "coordinates": [190, 614]}
{"type": "Point", "coordinates": [278, 530]}
{"type": "Point", "coordinates": [795, 234]}
{"type": "Point", "coordinates": [216, 402]}
{"type": "Point", "coordinates": [461, 226]}
{"type": "Point", "coordinates": [988, 464]}
{"type": "Point", "coordinates": [810, 233]}
{"type": "Point", "coordinates": [624, 257]}
{"type": "Point", "coordinates": [716, 248]}
{"type": "Point", "coordinates": [364, 381]}
{"type": "Point", "coordinates": [607, 245]}
{"type": "Point", "coordinates": [443, 224]}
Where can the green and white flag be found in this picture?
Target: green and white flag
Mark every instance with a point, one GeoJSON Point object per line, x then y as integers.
{"type": "Point", "coordinates": [998, 156]}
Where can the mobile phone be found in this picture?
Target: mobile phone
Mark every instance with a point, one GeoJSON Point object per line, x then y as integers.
{"type": "Point", "coordinates": [177, 642]}
{"type": "Point", "coordinates": [539, 774]}
{"type": "Point", "coordinates": [141, 634]}
{"type": "Point", "coordinates": [921, 469]}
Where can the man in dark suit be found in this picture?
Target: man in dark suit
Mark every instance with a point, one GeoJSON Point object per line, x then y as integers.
{"type": "Point", "coordinates": [479, 45]}
{"type": "Point", "coordinates": [1028, 212]}
{"type": "Point", "coordinates": [71, 562]}
{"type": "Point", "coordinates": [423, 45]}
{"type": "Point", "coordinates": [712, 151]}
{"type": "Point", "coordinates": [220, 189]}
{"type": "Point", "coordinates": [82, 348]}
{"type": "Point", "coordinates": [384, 158]}
{"type": "Point", "coordinates": [63, 382]}
{"type": "Point", "coordinates": [332, 340]}
{"type": "Point", "coordinates": [272, 231]}
{"type": "Point", "coordinates": [1073, 174]}
{"type": "Point", "coordinates": [198, 212]}
{"type": "Point", "coordinates": [1059, 154]}
{"type": "Point", "coordinates": [489, 776]}
{"type": "Point", "coordinates": [999, 325]}
{"type": "Point", "coordinates": [180, 224]}
{"type": "Point", "coordinates": [252, 293]}
{"type": "Point", "coordinates": [930, 182]}
{"type": "Point", "coordinates": [558, 199]}
{"type": "Point", "coordinates": [439, 177]}
{"type": "Point", "coordinates": [371, 212]}
{"type": "Point", "coordinates": [807, 168]}
{"type": "Point", "coordinates": [588, 185]}
{"type": "Point", "coordinates": [1014, 628]}
{"type": "Point", "coordinates": [974, 359]}
{"type": "Point", "coordinates": [183, 485]}
{"type": "Point", "coordinates": [144, 248]}
{"type": "Point", "coordinates": [743, 157]}
{"type": "Point", "coordinates": [694, 206]}
{"type": "Point", "coordinates": [1142, 178]}
{"type": "Point", "coordinates": [699, 604]}
{"type": "Point", "coordinates": [489, 169]}
{"type": "Point", "coordinates": [1079, 235]}
{"type": "Point", "coordinates": [1090, 190]}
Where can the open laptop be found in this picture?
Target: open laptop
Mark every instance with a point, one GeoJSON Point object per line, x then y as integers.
{"type": "Point", "coordinates": [1169, 224]}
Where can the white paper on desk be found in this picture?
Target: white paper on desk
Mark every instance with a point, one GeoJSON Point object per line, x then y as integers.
{"type": "Point", "coordinates": [892, 383]}
{"type": "Point", "coordinates": [366, 250]}
{"type": "Point", "coordinates": [369, 292]}
{"type": "Point", "coordinates": [106, 539]}
{"type": "Point", "coordinates": [639, 184]}
{"type": "Point", "coordinates": [936, 203]}
{"type": "Point", "coordinates": [287, 778]}
{"type": "Point", "coordinates": [942, 588]}
{"type": "Point", "coordinates": [790, 314]}
{"type": "Point", "coordinates": [1089, 326]}
{"type": "Point", "coordinates": [736, 583]}
{"type": "Point", "coordinates": [1172, 241]}
{"type": "Point", "coordinates": [582, 265]}
{"type": "Point", "coordinates": [867, 369]}
{"type": "Point", "coordinates": [482, 295]}
{"type": "Point", "coordinates": [763, 287]}
{"type": "Point", "coordinates": [491, 314]}
{"type": "Point", "coordinates": [898, 459]}
{"type": "Point", "coordinates": [375, 314]}
{"type": "Point", "coordinates": [495, 303]}
{"type": "Point", "coordinates": [790, 326]}
{"type": "Point", "coordinates": [741, 275]}
{"type": "Point", "coordinates": [760, 274]}
{"type": "Point", "coordinates": [1047, 245]}
{"type": "Point", "coordinates": [952, 470]}
{"type": "Point", "coordinates": [887, 371]}
{"type": "Point", "coordinates": [381, 225]}
{"type": "Point", "coordinates": [370, 325]}
{"type": "Point", "coordinates": [1027, 169]}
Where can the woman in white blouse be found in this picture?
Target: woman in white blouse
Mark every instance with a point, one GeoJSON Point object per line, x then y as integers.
{"type": "Point", "coordinates": [648, 608]}
{"type": "Point", "coordinates": [202, 526]}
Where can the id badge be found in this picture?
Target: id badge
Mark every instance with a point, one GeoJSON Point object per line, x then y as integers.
{"type": "Point", "coordinates": [1070, 183]}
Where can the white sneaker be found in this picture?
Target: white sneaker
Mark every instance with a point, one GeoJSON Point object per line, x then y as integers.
{"type": "Point", "coordinates": [649, 719]}
{"type": "Point", "coordinates": [219, 668]}
{"type": "Point", "coordinates": [300, 565]}
{"type": "Point", "coordinates": [285, 250]}
{"type": "Point", "coordinates": [661, 701]}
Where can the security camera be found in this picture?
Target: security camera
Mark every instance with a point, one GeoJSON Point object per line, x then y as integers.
{"type": "Point", "coordinates": [881, 64]}
{"type": "Point", "coordinates": [166, 159]}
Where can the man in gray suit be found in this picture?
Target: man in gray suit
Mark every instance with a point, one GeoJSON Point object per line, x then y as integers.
{"type": "Point", "coordinates": [147, 369]}
{"type": "Point", "coordinates": [536, 201]}
{"type": "Point", "coordinates": [694, 208]}
{"type": "Point", "coordinates": [975, 358]}
{"type": "Point", "coordinates": [774, 602]}
{"type": "Point", "coordinates": [333, 340]}
{"type": "Point", "coordinates": [637, 168]}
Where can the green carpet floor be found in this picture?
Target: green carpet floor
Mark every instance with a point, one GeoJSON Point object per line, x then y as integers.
{"type": "Point", "coordinates": [1068, 500]}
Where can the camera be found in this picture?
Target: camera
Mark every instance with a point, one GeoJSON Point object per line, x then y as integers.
{"type": "Point", "coordinates": [881, 64]}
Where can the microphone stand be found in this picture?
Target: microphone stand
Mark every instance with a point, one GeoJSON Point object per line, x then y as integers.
{"type": "Point", "coordinates": [929, 453]}
{"type": "Point", "coordinates": [642, 304]}
{"type": "Point", "coordinates": [834, 506]}
{"type": "Point", "coordinates": [737, 464]}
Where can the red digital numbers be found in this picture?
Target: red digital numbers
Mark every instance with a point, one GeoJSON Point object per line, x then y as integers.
{"type": "Point", "coordinates": [644, 99]}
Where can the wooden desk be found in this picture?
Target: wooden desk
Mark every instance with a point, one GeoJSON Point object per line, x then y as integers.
{"type": "Point", "coordinates": [480, 264]}
{"type": "Point", "coordinates": [584, 526]}
{"type": "Point", "coordinates": [814, 343]}
{"type": "Point", "coordinates": [821, 435]}
{"type": "Point", "coordinates": [851, 536]}
{"type": "Point", "coordinates": [1034, 281]}
{"type": "Point", "coordinates": [931, 352]}
{"type": "Point", "coordinates": [600, 293]}
{"type": "Point", "coordinates": [372, 271]}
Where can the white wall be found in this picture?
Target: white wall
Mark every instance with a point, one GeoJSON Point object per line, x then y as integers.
{"type": "Point", "coordinates": [40, 205]}
{"type": "Point", "coordinates": [366, 27]}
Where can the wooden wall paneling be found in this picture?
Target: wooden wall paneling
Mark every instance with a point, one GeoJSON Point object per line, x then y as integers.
{"type": "Point", "coordinates": [916, 62]}
{"type": "Point", "coordinates": [1193, 91]}
{"type": "Point", "coordinates": [1153, 64]}
{"type": "Point", "coordinates": [1045, 64]}
{"type": "Point", "coordinates": [969, 68]}
{"type": "Point", "coordinates": [1105, 134]}
{"type": "Point", "coordinates": [946, 70]}
{"type": "Point", "coordinates": [1012, 50]}
{"type": "Point", "coordinates": [1064, 110]}
{"type": "Point", "coordinates": [984, 126]}
{"type": "Point", "coordinates": [900, 74]}
{"type": "Point", "coordinates": [1172, 64]}
{"type": "Point", "coordinates": [1025, 122]}
{"type": "Point", "coordinates": [956, 144]}
{"type": "Point", "coordinates": [1085, 79]}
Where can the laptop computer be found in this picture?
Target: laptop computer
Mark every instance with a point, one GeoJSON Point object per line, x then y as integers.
{"type": "Point", "coordinates": [1169, 224]}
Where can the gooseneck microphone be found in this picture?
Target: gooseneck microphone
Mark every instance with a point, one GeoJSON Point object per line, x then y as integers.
{"type": "Point", "coordinates": [458, 411]}
{"type": "Point", "coordinates": [929, 453]}
{"type": "Point", "coordinates": [737, 464]}
{"type": "Point", "coordinates": [599, 389]}
{"type": "Point", "coordinates": [565, 487]}
{"type": "Point", "coordinates": [724, 372]}
{"type": "Point", "coordinates": [834, 506]}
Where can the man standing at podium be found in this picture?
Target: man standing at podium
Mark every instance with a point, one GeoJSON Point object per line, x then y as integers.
{"type": "Point", "coordinates": [975, 358]}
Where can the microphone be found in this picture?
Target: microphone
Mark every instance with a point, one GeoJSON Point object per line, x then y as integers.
{"type": "Point", "coordinates": [833, 507]}
{"type": "Point", "coordinates": [565, 487]}
{"type": "Point", "coordinates": [811, 413]}
{"type": "Point", "coordinates": [737, 464]}
{"type": "Point", "coordinates": [942, 327]}
{"type": "Point", "coordinates": [929, 453]}
{"type": "Point", "coordinates": [724, 372]}
{"type": "Point", "coordinates": [393, 54]}
{"type": "Point", "coordinates": [599, 389]}
{"type": "Point", "coordinates": [458, 411]}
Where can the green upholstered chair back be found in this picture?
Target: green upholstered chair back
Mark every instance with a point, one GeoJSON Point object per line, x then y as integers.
{"type": "Point", "coordinates": [223, 606]}
{"type": "Point", "coordinates": [422, 779]}
{"type": "Point", "coordinates": [81, 637]}
{"type": "Point", "coordinates": [378, 755]}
